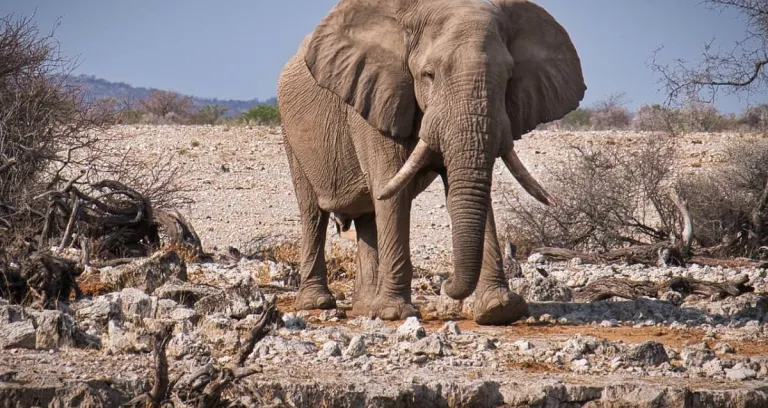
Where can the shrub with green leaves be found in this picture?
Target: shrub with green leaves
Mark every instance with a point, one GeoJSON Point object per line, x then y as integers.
{"type": "Point", "coordinates": [262, 115]}
{"type": "Point", "coordinates": [208, 115]}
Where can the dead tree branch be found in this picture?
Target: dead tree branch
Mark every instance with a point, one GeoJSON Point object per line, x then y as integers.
{"type": "Point", "coordinates": [607, 288]}
{"type": "Point", "coordinates": [160, 389]}
{"type": "Point", "coordinates": [738, 70]}
{"type": "Point", "coordinates": [270, 316]}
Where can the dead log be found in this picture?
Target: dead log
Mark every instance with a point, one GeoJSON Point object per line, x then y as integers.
{"type": "Point", "coordinates": [270, 316]}
{"type": "Point", "coordinates": [118, 220]}
{"type": "Point", "coordinates": [607, 288]}
{"type": "Point", "coordinates": [728, 263]}
{"type": "Point", "coordinates": [645, 254]}
{"type": "Point", "coordinates": [160, 388]}
{"type": "Point", "coordinates": [71, 223]}
{"type": "Point", "coordinates": [682, 206]}
{"type": "Point", "coordinates": [562, 254]}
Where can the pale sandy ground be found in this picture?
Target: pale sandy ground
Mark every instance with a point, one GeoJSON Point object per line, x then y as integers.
{"type": "Point", "coordinates": [239, 180]}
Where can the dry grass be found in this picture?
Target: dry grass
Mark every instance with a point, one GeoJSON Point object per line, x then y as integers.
{"type": "Point", "coordinates": [342, 264]}
{"type": "Point", "coordinates": [91, 285]}
{"type": "Point", "coordinates": [341, 261]}
{"type": "Point", "coordinates": [187, 253]}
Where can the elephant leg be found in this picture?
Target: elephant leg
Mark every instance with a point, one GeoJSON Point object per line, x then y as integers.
{"type": "Point", "coordinates": [392, 300]}
{"type": "Point", "coordinates": [494, 303]}
{"type": "Point", "coordinates": [313, 287]}
{"type": "Point", "coordinates": [366, 278]}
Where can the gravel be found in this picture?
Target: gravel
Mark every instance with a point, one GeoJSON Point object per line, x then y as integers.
{"type": "Point", "coordinates": [645, 352]}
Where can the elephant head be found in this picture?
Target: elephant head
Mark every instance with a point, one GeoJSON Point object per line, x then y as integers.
{"type": "Point", "coordinates": [465, 77]}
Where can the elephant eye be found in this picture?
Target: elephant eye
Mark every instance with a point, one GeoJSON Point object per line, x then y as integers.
{"type": "Point", "coordinates": [428, 73]}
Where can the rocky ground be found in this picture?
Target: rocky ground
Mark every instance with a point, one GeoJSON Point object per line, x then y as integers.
{"type": "Point", "coordinates": [679, 351]}
{"type": "Point", "coordinates": [98, 351]}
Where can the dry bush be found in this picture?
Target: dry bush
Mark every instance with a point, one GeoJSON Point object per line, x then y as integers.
{"type": "Point", "coordinates": [53, 144]}
{"type": "Point", "coordinates": [45, 125]}
{"type": "Point", "coordinates": [208, 115]}
{"type": "Point", "coordinates": [655, 118]}
{"type": "Point", "coordinates": [723, 201]}
{"type": "Point", "coordinates": [167, 105]}
{"type": "Point", "coordinates": [703, 117]}
{"type": "Point", "coordinates": [160, 180]}
{"type": "Point", "coordinates": [342, 263]}
{"type": "Point", "coordinates": [610, 113]}
{"type": "Point", "coordinates": [608, 197]}
{"type": "Point", "coordinates": [755, 118]}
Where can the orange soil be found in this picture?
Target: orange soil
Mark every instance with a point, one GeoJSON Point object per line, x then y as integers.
{"type": "Point", "coordinates": [674, 338]}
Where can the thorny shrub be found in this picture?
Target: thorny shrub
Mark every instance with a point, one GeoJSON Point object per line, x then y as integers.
{"type": "Point", "coordinates": [654, 118]}
{"type": "Point", "coordinates": [611, 197]}
{"type": "Point", "coordinates": [341, 261]}
{"type": "Point", "coordinates": [50, 135]}
{"type": "Point", "coordinates": [722, 201]}
{"type": "Point", "coordinates": [610, 113]}
{"type": "Point", "coordinates": [755, 118]}
{"type": "Point", "coordinates": [608, 197]}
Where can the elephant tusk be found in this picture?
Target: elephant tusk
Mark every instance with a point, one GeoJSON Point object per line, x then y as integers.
{"type": "Point", "coordinates": [525, 179]}
{"type": "Point", "coordinates": [415, 162]}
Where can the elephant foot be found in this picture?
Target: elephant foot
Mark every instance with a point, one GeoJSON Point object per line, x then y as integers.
{"type": "Point", "coordinates": [386, 308]}
{"type": "Point", "coordinates": [498, 306]}
{"type": "Point", "coordinates": [311, 299]}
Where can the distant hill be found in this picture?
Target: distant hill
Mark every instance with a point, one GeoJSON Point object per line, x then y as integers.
{"type": "Point", "coordinates": [97, 88]}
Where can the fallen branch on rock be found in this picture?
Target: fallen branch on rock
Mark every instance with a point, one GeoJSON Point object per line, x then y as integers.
{"type": "Point", "coordinates": [111, 224]}
{"type": "Point", "coordinates": [659, 253]}
{"type": "Point", "coordinates": [607, 288]}
{"type": "Point", "coordinates": [7, 165]}
{"type": "Point", "coordinates": [159, 392]}
{"type": "Point", "coordinates": [203, 387]}
{"type": "Point", "coordinates": [270, 316]}
{"type": "Point", "coordinates": [180, 233]}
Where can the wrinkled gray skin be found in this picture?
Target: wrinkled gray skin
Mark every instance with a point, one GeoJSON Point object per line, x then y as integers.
{"type": "Point", "coordinates": [385, 96]}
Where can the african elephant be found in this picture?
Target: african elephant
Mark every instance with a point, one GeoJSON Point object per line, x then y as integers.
{"type": "Point", "coordinates": [382, 98]}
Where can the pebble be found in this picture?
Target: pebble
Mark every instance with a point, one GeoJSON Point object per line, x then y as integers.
{"type": "Point", "coordinates": [330, 349]}
{"type": "Point", "coordinates": [450, 327]}
{"type": "Point", "coordinates": [740, 372]}
{"type": "Point", "coordinates": [356, 347]}
{"type": "Point", "coordinates": [411, 330]}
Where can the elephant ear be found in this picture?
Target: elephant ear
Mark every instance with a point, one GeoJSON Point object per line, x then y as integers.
{"type": "Point", "coordinates": [547, 82]}
{"type": "Point", "coordinates": [358, 52]}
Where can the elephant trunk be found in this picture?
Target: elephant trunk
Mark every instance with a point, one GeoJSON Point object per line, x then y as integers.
{"type": "Point", "coordinates": [469, 174]}
{"type": "Point", "coordinates": [469, 197]}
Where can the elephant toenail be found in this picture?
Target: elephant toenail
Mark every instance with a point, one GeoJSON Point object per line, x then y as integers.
{"type": "Point", "coordinates": [494, 303]}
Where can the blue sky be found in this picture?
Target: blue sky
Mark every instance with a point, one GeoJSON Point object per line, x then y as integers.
{"type": "Point", "coordinates": [236, 48]}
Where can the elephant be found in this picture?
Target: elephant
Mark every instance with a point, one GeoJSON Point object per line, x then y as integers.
{"type": "Point", "coordinates": [385, 96]}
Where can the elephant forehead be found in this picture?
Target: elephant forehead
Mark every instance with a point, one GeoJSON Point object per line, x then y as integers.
{"type": "Point", "coordinates": [452, 19]}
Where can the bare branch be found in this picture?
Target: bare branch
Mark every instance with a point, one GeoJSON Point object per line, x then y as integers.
{"type": "Point", "coordinates": [738, 71]}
